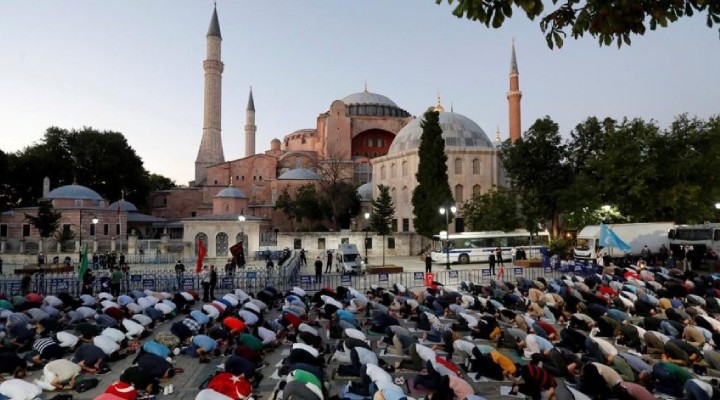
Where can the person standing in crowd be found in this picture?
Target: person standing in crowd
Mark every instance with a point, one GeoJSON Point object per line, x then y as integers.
{"type": "Point", "coordinates": [87, 284]}
{"type": "Point", "coordinates": [328, 266]}
{"type": "Point", "coordinates": [303, 258]}
{"type": "Point", "coordinates": [1, 265]}
{"type": "Point", "coordinates": [179, 272]}
{"type": "Point", "coordinates": [115, 279]}
{"type": "Point", "coordinates": [269, 265]}
{"type": "Point", "coordinates": [205, 281]}
{"type": "Point", "coordinates": [499, 257]}
{"type": "Point", "coordinates": [213, 281]}
{"type": "Point", "coordinates": [428, 263]}
{"type": "Point", "coordinates": [228, 267]}
{"type": "Point", "coordinates": [25, 284]}
{"type": "Point", "coordinates": [491, 263]}
{"type": "Point", "coordinates": [95, 261]}
{"type": "Point", "coordinates": [318, 269]}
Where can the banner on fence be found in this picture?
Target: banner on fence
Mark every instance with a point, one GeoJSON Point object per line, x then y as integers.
{"type": "Point", "coordinates": [135, 278]}
{"type": "Point", "coordinates": [188, 283]}
{"type": "Point", "coordinates": [227, 282]}
{"type": "Point", "coordinates": [250, 275]}
{"type": "Point", "coordinates": [383, 277]}
{"type": "Point", "coordinates": [485, 272]}
{"type": "Point", "coordinates": [148, 283]}
{"type": "Point", "coordinates": [345, 278]}
{"type": "Point", "coordinates": [518, 271]}
{"type": "Point", "coordinates": [419, 276]}
{"type": "Point", "coordinates": [453, 275]}
{"type": "Point", "coordinates": [305, 279]}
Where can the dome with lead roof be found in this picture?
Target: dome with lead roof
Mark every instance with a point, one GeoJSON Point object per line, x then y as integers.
{"type": "Point", "coordinates": [299, 174]}
{"type": "Point", "coordinates": [74, 192]}
{"type": "Point", "coordinates": [372, 104]}
{"type": "Point", "coordinates": [124, 206]}
{"type": "Point", "coordinates": [232, 193]}
{"type": "Point", "coordinates": [457, 130]}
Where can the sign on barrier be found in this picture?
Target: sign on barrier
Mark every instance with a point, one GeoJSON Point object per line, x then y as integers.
{"type": "Point", "coordinates": [188, 282]}
{"type": "Point", "coordinates": [305, 279]}
{"type": "Point", "coordinates": [419, 276]}
{"type": "Point", "coordinates": [518, 271]}
{"type": "Point", "coordinates": [227, 282]}
{"type": "Point", "coordinates": [345, 278]}
{"type": "Point", "coordinates": [485, 272]}
{"type": "Point", "coordinates": [547, 269]}
{"type": "Point", "coordinates": [382, 277]}
{"type": "Point", "coordinates": [453, 274]}
{"type": "Point", "coordinates": [135, 278]}
{"type": "Point", "coordinates": [250, 275]}
{"type": "Point", "coordinates": [147, 283]}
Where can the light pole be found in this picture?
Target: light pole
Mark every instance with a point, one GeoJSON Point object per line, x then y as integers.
{"type": "Point", "coordinates": [93, 232]}
{"type": "Point", "coordinates": [241, 220]}
{"type": "Point", "coordinates": [367, 227]}
{"type": "Point", "coordinates": [446, 213]}
{"type": "Point", "coordinates": [94, 221]}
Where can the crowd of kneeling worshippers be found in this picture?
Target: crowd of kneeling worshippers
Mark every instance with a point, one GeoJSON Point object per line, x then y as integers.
{"type": "Point", "coordinates": [626, 333]}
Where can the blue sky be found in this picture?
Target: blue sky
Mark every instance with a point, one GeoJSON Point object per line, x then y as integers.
{"type": "Point", "coordinates": [136, 67]}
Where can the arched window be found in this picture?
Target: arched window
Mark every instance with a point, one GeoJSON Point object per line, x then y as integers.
{"type": "Point", "coordinates": [392, 170]}
{"type": "Point", "coordinates": [405, 195]}
{"type": "Point", "coordinates": [200, 237]}
{"type": "Point", "coordinates": [404, 168]}
{"type": "Point", "coordinates": [221, 244]}
{"type": "Point", "coordinates": [382, 173]}
{"type": "Point", "coordinates": [476, 190]}
{"type": "Point", "coordinates": [476, 166]}
{"type": "Point", "coordinates": [459, 194]}
{"type": "Point", "coordinates": [393, 195]}
{"type": "Point", "coordinates": [227, 207]}
{"type": "Point", "coordinates": [458, 166]}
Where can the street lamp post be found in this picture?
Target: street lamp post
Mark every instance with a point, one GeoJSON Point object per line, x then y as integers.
{"type": "Point", "coordinates": [446, 213]}
{"type": "Point", "coordinates": [367, 226]}
{"type": "Point", "coordinates": [241, 220]}
{"type": "Point", "coordinates": [94, 221]}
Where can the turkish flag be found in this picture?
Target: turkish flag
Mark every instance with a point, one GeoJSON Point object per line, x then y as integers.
{"type": "Point", "coordinates": [502, 272]}
{"type": "Point", "coordinates": [202, 251]}
{"type": "Point", "coordinates": [238, 253]}
{"type": "Point", "coordinates": [235, 387]}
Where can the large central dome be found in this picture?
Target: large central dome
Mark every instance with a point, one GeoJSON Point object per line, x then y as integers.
{"type": "Point", "coordinates": [367, 98]}
{"type": "Point", "coordinates": [458, 131]}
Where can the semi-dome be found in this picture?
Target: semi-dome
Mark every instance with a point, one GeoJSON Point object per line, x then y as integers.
{"type": "Point", "coordinates": [124, 206]}
{"type": "Point", "coordinates": [300, 174]}
{"type": "Point", "coordinates": [364, 192]}
{"type": "Point", "coordinates": [458, 131]}
{"type": "Point", "coordinates": [231, 192]}
{"type": "Point", "coordinates": [372, 104]}
{"type": "Point", "coordinates": [75, 192]}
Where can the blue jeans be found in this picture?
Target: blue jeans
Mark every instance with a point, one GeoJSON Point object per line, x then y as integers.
{"type": "Point", "coordinates": [666, 381]}
{"type": "Point", "coordinates": [694, 391]}
{"type": "Point", "coordinates": [668, 329]}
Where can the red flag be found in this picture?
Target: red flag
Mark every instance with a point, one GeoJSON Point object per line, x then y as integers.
{"type": "Point", "coordinates": [235, 387]}
{"type": "Point", "coordinates": [501, 272]}
{"type": "Point", "coordinates": [202, 251]}
{"type": "Point", "coordinates": [118, 209]}
{"type": "Point", "coordinates": [238, 253]}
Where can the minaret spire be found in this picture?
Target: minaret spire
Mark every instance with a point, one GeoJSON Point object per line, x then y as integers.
{"type": "Point", "coordinates": [211, 149]}
{"type": "Point", "coordinates": [514, 95]}
{"type": "Point", "coordinates": [250, 127]}
{"type": "Point", "coordinates": [438, 107]}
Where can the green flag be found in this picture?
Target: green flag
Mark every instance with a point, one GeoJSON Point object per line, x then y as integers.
{"type": "Point", "coordinates": [83, 264]}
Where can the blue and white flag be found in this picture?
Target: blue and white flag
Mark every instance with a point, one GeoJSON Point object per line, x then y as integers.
{"type": "Point", "coordinates": [608, 238]}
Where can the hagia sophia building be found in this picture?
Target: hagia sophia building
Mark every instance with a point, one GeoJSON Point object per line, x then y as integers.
{"type": "Point", "coordinates": [368, 132]}
{"type": "Point", "coordinates": [371, 138]}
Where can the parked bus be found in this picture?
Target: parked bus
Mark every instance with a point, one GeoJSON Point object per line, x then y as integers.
{"type": "Point", "coordinates": [699, 238]}
{"type": "Point", "coordinates": [467, 247]}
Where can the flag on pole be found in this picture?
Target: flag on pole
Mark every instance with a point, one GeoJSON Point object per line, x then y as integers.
{"type": "Point", "coordinates": [238, 253]}
{"type": "Point", "coordinates": [83, 263]}
{"type": "Point", "coordinates": [202, 251]}
{"type": "Point", "coordinates": [608, 238]}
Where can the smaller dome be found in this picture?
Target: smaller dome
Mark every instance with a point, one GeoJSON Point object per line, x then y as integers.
{"type": "Point", "coordinates": [124, 206]}
{"type": "Point", "coordinates": [364, 192]}
{"type": "Point", "coordinates": [275, 144]}
{"type": "Point", "coordinates": [300, 174]}
{"type": "Point", "coordinates": [75, 192]}
{"type": "Point", "coordinates": [231, 192]}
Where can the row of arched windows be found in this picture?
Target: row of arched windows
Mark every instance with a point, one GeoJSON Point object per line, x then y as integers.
{"type": "Point", "coordinates": [459, 194]}
{"type": "Point", "coordinates": [404, 168]}
{"type": "Point", "coordinates": [222, 245]}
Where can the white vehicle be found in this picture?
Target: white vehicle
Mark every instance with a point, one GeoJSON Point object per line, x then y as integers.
{"type": "Point", "coordinates": [349, 260]}
{"type": "Point", "coordinates": [650, 234]}
{"type": "Point", "coordinates": [700, 237]}
{"type": "Point", "coordinates": [467, 247]}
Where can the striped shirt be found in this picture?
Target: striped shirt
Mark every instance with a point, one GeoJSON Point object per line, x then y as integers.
{"type": "Point", "coordinates": [41, 345]}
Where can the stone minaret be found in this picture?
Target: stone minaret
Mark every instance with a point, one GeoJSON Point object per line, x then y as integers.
{"type": "Point", "coordinates": [211, 150]}
{"type": "Point", "coordinates": [250, 127]}
{"type": "Point", "coordinates": [46, 186]}
{"type": "Point", "coordinates": [514, 96]}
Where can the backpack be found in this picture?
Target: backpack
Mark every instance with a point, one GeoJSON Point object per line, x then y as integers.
{"type": "Point", "coordinates": [85, 384]}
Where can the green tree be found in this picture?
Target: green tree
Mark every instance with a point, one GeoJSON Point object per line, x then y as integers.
{"type": "Point", "coordinates": [308, 204]}
{"type": "Point", "coordinates": [46, 221]}
{"type": "Point", "coordinates": [433, 190]}
{"type": "Point", "coordinates": [535, 165]}
{"type": "Point", "coordinates": [286, 204]}
{"type": "Point", "coordinates": [496, 210]}
{"type": "Point", "coordinates": [337, 188]}
{"type": "Point", "coordinates": [607, 20]}
{"type": "Point", "coordinates": [157, 182]}
{"type": "Point", "coordinates": [382, 214]}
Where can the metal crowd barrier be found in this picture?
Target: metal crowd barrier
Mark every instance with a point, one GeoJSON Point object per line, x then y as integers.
{"type": "Point", "coordinates": [283, 277]}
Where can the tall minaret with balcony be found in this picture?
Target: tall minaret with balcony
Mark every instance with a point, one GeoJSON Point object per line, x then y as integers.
{"type": "Point", "coordinates": [250, 127]}
{"type": "Point", "coordinates": [514, 96]}
{"type": "Point", "coordinates": [211, 149]}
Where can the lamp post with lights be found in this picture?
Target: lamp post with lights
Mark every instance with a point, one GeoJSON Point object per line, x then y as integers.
{"type": "Point", "coordinates": [446, 213]}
